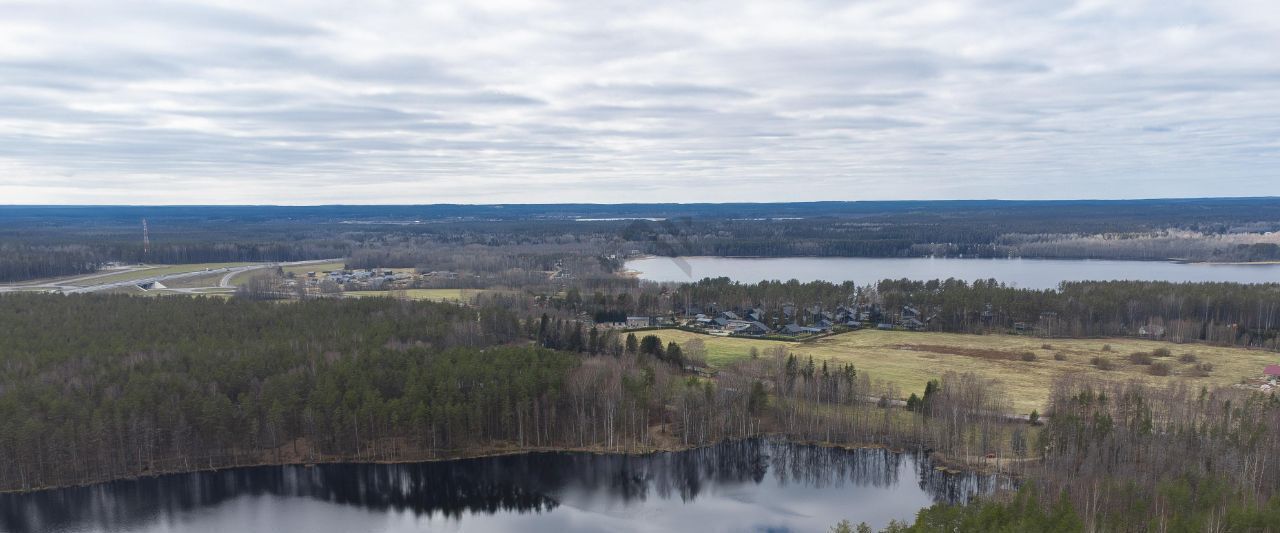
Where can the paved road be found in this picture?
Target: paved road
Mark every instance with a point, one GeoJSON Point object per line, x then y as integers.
{"type": "Point", "coordinates": [68, 286]}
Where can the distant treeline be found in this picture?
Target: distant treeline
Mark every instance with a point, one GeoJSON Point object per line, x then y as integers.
{"type": "Point", "coordinates": [1009, 236]}
{"type": "Point", "coordinates": [515, 244]}
{"type": "Point", "coordinates": [1232, 314]}
{"type": "Point", "coordinates": [23, 262]}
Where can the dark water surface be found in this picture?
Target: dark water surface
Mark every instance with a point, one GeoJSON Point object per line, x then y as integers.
{"type": "Point", "coordinates": [1024, 273]}
{"type": "Point", "coordinates": [754, 485]}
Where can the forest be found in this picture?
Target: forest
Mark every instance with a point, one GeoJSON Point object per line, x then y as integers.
{"type": "Point", "coordinates": [128, 386]}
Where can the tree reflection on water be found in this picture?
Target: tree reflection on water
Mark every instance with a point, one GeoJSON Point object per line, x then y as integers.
{"type": "Point", "coordinates": [524, 483]}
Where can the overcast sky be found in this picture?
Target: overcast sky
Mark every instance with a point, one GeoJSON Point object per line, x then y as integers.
{"type": "Point", "coordinates": [528, 101]}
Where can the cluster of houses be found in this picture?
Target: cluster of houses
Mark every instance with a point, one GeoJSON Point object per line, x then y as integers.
{"type": "Point", "coordinates": [787, 320]}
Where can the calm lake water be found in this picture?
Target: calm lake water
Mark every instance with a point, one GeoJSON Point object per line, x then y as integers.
{"type": "Point", "coordinates": [1025, 273]}
{"type": "Point", "coordinates": [754, 485]}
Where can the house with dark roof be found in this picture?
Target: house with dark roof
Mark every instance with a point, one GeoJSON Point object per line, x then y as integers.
{"type": "Point", "coordinates": [795, 329]}
{"type": "Point", "coordinates": [755, 328]}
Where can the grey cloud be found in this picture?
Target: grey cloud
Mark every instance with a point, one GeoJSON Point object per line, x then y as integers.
{"type": "Point", "coordinates": [455, 99]}
{"type": "Point", "coordinates": [80, 73]}
{"type": "Point", "coordinates": [170, 14]}
{"type": "Point", "coordinates": [865, 123]}
{"type": "Point", "coordinates": [856, 99]}
{"type": "Point", "coordinates": [716, 102]}
{"type": "Point", "coordinates": [666, 91]}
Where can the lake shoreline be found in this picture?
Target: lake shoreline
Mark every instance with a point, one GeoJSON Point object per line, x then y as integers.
{"type": "Point", "coordinates": [952, 465]}
{"type": "Point", "coordinates": [1173, 260]}
{"type": "Point", "coordinates": [1023, 273]}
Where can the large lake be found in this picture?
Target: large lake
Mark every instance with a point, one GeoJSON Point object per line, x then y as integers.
{"type": "Point", "coordinates": [753, 485]}
{"type": "Point", "coordinates": [1025, 273]}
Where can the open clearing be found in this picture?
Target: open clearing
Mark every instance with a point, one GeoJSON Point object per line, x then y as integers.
{"type": "Point", "coordinates": [299, 271]}
{"type": "Point", "coordinates": [909, 360]}
{"type": "Point", "coordinates": [155, 271]}
{"type": "Point", "coordinates": [439, 295]}
{"type": "Point", "coordinates": [204, 280]}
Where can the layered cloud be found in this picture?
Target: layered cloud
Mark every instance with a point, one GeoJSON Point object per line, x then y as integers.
{"type": "Point", "coordinates": [400, 101]}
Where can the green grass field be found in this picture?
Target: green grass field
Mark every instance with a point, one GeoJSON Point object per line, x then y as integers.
{"type": "Point", "coordinates": [910, 360]}
{"type": "Point", "coordinates": [159, 270]}
{"type": "Point", "coordinates": [205, 280]}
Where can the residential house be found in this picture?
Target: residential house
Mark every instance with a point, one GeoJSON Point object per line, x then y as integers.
{"type": "Point", "coordinates": [639, 321]}
{"type": "Point", "coordinates": [794, 329]}
{"type": "Point", "coordinates": [752, 327]}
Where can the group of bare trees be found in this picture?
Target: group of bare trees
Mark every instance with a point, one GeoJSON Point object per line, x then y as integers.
{"type": "Point", "coordinates": [1131, 455]}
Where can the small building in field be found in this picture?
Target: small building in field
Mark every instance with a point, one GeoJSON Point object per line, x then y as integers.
{"type": "Point", "coordinates": [1154, 331]}
{"type": "Point", "coordinates": [639, 322]}
{"type": "Point", "coordinates": [1272, 372]}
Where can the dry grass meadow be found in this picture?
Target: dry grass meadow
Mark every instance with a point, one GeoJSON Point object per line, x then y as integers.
{"type": "Point", "coordinates": [909, 360]}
